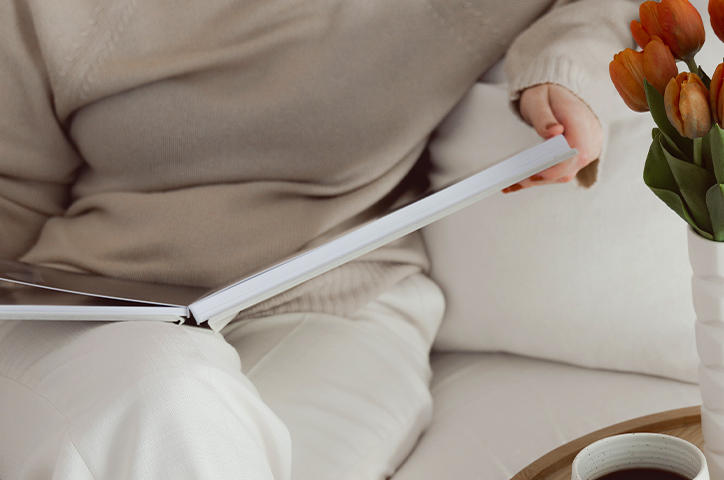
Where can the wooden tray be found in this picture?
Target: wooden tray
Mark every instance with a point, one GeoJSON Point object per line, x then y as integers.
{"type": "Point", "coordinates": [556, 465]}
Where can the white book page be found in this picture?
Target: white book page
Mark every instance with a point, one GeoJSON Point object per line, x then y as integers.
{"type": "Point", "coordinates": [96, 286]}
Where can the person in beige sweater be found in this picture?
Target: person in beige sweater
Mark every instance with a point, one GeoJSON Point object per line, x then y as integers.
{"type": "Point", "coordinates": [192, 143]}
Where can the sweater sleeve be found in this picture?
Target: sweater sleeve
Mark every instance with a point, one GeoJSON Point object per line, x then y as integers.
{"type": "Point", "coordinates": [37, 162]}
{"type": "Point", "coordinates": [572, 46]}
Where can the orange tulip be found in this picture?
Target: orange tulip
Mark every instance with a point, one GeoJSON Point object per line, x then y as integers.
{"type": "Point", "coordinates": [640, 35]}
{"type": "Point", "coordinates": [629, 68]}
{"type": "Point", "coordinates": [716, 16]}
{"type": "Point", "coordinates": [676, 22]}
{"type": "Point", "coordinates": [687, 105]}
{"type": "Point", "coordinates": [627, 73]}
{"type": "Point", "coordinates": [716, 99]}
{"type": "Point", "coordinates": [659, 64]}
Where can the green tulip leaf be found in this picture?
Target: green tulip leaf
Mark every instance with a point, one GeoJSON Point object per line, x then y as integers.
{"type": "Point", "coordinates": [677, 205]}
{"type": "Point", "coordinates": [669, 145]}
{"type": "Point", "coordinates": [657, 173]}
{"type": "Point", "coordinates": [659, 178]}
{"type": "Point", "coordinates": [715, 202]}
{"type": "Point", "coordinates": [693, 182]}
{"type": "Point", "coordinates": [706, 152]}
{"type": "Point", "coordinates": [716, 142]}
{"type": "Point", "coordinates": [658, 113]}
{"type": "Point", "coordinates": [704, 77]}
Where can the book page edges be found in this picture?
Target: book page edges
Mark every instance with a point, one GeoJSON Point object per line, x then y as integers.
{"type": "Point", "coordinates": [100, 314]}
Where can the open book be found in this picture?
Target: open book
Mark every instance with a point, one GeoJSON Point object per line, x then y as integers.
{"type": "Point", "coordinates": [29, 292]}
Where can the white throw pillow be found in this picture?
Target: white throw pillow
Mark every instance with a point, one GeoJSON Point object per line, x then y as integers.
{"type": "Point", "coordinates": [594, 277]}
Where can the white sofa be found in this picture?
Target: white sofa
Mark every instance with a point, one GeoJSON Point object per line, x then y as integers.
{"type": "Point", "coordinates": [569, 309]}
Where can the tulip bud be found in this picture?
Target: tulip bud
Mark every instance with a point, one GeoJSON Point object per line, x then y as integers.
{"type": "Point", "coordinates": [716, 16]}
{"type": "Point", "coordinates": [716, 99]}
{"type": "Point", "coordinates": [659, 65]}
{"type": "Point", "coordinates": [676, 22]}
{"type": "Point", "coordinates": [640, 35]}
{"type": "Point", "coordinates": [687, 105]}
{"type": "Point", "coordinates": [627, 73]}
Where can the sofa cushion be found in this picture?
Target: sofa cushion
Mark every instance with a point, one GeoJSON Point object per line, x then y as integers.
{"type": "Point", "coordinates": [496, 413]}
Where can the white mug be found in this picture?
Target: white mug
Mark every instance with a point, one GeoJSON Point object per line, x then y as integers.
{"type": "Point", "coordinates": [640, 450]}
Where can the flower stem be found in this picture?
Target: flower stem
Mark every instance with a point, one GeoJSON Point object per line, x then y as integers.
{"type": "Point", "coordinates": [693, 67]}
{"type": "Point", "coordinates": [697, 152]}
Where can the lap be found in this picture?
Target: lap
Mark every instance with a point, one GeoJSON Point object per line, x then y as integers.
{"type": "Point", "coordinates": [352, 392]}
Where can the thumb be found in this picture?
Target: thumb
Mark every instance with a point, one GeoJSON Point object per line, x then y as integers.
{"type": "Point", "coordinates": [535, 108]}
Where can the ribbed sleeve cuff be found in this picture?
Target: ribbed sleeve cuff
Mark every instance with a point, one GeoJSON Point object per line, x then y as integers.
{"type": "Point", "coordinates": [595, 90]}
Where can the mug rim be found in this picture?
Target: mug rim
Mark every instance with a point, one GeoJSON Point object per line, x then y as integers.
{"type": "Point", "coordinates": [642, 435]}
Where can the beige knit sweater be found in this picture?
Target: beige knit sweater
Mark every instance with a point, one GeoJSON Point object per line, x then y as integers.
{"type": "Point", "coordinates": [192, 142]}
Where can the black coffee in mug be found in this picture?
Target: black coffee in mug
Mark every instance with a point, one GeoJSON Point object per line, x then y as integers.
{"type": "Point", "coordinates": [642, 474]}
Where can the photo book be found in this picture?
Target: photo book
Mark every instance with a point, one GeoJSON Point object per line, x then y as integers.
{"type": "Point", "coordinates": [30, 292]}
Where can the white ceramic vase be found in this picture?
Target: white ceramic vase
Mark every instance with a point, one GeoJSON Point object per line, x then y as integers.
{"type": "Point", "coordinates": [707, 285]}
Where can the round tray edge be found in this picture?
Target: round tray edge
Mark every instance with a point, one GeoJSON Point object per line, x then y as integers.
{"type": "Point", "coordinates": [564, 455]}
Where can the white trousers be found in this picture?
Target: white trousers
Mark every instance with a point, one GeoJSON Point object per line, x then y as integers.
{"type": "Point", "coordinates": [302, 396]}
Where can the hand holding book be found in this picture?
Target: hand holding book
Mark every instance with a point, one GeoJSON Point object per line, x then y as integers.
{"type": "Point", "coordinates": [553, 110]}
